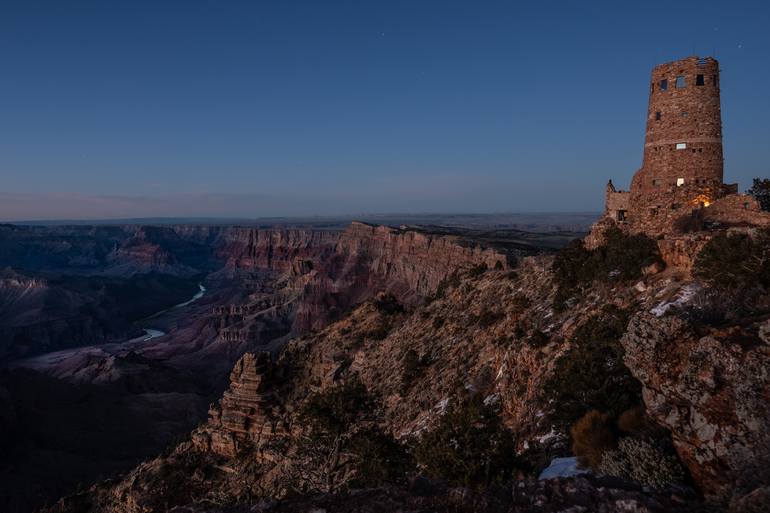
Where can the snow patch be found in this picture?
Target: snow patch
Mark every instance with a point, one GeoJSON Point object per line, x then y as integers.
{"type": "Point", "coordinates": [683, 297]}
{"type": "Point", "coordinates": [562, 467]}
{"type": "Point", "coordinates": [547, 437]}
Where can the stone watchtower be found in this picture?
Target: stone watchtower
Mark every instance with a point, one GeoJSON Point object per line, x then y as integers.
{"type": "Point", "coordinates": [682, 167]}
{"type": "Point", "coordinates": [680, 184]}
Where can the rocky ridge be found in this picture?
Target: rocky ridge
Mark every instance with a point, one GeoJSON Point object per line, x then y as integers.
{"type": "Point", "coordinates": [478, 333]}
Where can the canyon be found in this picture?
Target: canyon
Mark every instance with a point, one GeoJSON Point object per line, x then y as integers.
{"type": "Point", "coordinates": [211, 412]}
{"type": "Point", "coordinates": [75, 302]}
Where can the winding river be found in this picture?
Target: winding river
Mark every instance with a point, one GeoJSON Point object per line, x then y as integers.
{"type": "Point", "coordinates": [151, 333]}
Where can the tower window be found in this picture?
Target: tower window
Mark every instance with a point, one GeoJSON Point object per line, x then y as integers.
{"type": "Point", "coordinates": [681, 146]}
{"type": "Point", "coordinates": [699, 80]}
{"type": "Point", "coordinates": [657, 116]}
{"type": "Point", "coordinates": [716, 79]}
{"type": "Point", "coordinates": [684, 113]}
{"type": "Point", "coordinates": [656, 182]}
{"type": "Point", "coordinates": [664, 85]}
{"type": "Point", "coordinates": [679, 182]}
{"type": "Point", "coordinates": [680, 82]}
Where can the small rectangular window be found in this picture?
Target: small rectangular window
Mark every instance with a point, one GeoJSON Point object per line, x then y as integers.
{"type": "Point", "coordinates": [656, 182]}
{"type": "Point", "coordinates": [657, 116]}
{"type": "Point", "coordinates": [664, 85]}
{"type": "Point", "coordinates": [679, 182]}
{"type": "Point", "coordinates": [681, 146]}
{"type": "Point", "coordinates": [699, 80]}
{"type": "Point", "coordinates": [680, 82]}
{"type": "Point", "coordinates": [684, 113]}
{"type": "Point", "coordinates": [715, 80]}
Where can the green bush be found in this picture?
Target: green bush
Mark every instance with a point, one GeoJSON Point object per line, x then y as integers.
{"type": "Point", "coordinates": [387, 304]}
{"type": "Point", "coordinates": [338, 408]}
{"type": "Point", "coordinates": [591, 374]}
{"type": "Point", "coordinates": [379, 458]}
{"type": "Point", "coordinates": [621, 258]}
{"type": "Point", "coordinates": [413, 367]}
{"type": "Point", "coordinates": [450, 282]}
{"type": "Point", "coordinates": [735, 261]}
{"type": "Point", "coordinates": [469, 446]}
{"type": "Point", "coordinates": [538, 339]}
{"type": "Point", "coordinates": [342, 446]}
{"type": "Point", "coordinates": [760, 189]}
{"type": "Point", "coordinates": [478, 270]}
{"type": "Point", "coordinates": [489, 317]}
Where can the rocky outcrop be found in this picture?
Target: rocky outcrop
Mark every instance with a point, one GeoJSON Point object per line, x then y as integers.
{"type": "Point", "coordinates": [580, 494]}
{"type": "Point", "coordinates": [711, 391]}
{"type": "Point", "coordinates": [247, 416]}
{"type": "Point", "coordinates": [275, 249]}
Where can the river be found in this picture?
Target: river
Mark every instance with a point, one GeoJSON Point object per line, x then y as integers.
{"type": "Point", "coordinates": [151, 333]}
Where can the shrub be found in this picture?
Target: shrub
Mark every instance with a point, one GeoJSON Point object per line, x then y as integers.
{"type": "Point", "coordinates": [450, 282]}
{"type": "Point", "coordinates": [621, 258]}
{"type": "Point", "coordinates": [735, 261]}
{"type": "Point", "coordinates": [488, 318]}
{"type": "Point", "coordinates": [520, 302]}
{"type": "Point", "coordinates": [413, 366]}
{"type": "Point", "coordinates": [761, 191]}
{"type": "Point", "coordinates": [591, 374]}
{"type": "Point", "coordinates": [379, 458]}
{"type": "Point", "coordinates": [633, 421]}
{"type": "Point", "coordinates": [592, 436]}
{"type": "Point", "coordinates": [642, 461]}
{"type": "Point", "coordinates": [388, 304]}
{"type": "Point", "coordinates": [469, 446]}
{"type": "Point", "coordinates": [341, 445]}
{"type": "Point", "coordinates": [380, 332]}
{"type": "Point", "coordinates": [336, 409]}
{"type": "Point", "coordinates": [478, 270]}
{"type": "Point", "coordinates": [537, 339]}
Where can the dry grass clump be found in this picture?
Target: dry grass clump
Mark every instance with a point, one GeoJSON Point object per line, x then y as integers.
{"type": "Point", "coordinates": [592, 436]}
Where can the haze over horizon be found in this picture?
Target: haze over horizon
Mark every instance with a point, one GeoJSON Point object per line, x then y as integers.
{"type": "Point", "coordinates": [297, 108]}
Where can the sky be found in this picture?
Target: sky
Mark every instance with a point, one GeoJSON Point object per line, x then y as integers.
{"type": "Point", "coordinates": [148, 108]}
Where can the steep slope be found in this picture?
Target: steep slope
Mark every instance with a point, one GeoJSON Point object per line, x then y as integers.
{"type": "Point", "coordinates": [495, 333]}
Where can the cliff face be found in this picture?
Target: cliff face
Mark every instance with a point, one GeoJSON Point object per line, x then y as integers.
{"type": "Point", "coordinates": [711, 391]}
{"type": "Point", "coordinates": [494, 333]}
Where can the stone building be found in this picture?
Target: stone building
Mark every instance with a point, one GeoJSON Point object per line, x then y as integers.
{"type": "Point", "coordinates": [683, 167]}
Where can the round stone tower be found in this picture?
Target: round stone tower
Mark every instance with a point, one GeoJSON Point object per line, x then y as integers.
{"type": "Point", "coordinates": [683, 164]}
{"type": "Point", "coordinates": [683, 142]}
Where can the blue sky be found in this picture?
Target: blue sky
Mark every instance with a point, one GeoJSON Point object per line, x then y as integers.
{"type": "Point", "coordinates": [337, 107]}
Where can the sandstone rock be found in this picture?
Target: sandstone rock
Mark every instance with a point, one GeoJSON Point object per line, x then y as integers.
{"type": "Point", "coordinates": [247, 416]}
{"type": "Point", "coordinates": [711, 392]}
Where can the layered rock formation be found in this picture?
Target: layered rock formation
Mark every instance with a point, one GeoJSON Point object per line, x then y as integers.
{"type": "Point", "coordinates": [494, 333]}
{"type": "Point", "coordinates": [245, 416]}
{"type": "Point", "coordinates": [711, 391]}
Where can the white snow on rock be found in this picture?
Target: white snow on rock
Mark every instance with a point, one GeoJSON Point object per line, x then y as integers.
{"type": "Point", "coordinates": [683, 297]}
{"type": "Point", "coordinates": [562, 467]}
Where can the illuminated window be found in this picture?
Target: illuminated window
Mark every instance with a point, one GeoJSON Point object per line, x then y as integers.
{"type": "Point", "coordinates": [679, 182]}
{"type": "Point", "coordinates": [681, 146]}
